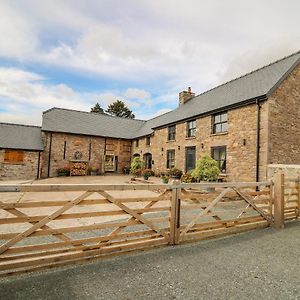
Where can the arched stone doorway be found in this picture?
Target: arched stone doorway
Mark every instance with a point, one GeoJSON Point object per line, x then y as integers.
{"type": "Point", "coordinates": [148, 160]}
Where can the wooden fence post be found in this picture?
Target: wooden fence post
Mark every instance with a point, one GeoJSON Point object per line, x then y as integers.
{"type": "Point", "coordinates": [298, 186]}
{"type": "Point", "coordinates": [174, 219]}
{"type": "Point", "coordinates": [279, 200]}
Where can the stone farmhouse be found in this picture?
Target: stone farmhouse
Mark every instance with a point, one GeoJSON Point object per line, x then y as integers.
{"type": "Point", "coordinates": [244, 124]}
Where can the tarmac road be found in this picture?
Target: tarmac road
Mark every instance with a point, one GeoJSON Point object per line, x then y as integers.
{"type": "Point", "coordinates": [261, 264]}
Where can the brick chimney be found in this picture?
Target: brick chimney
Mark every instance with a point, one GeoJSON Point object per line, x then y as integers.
{"type": "Point", "coordinates": [185, 96]}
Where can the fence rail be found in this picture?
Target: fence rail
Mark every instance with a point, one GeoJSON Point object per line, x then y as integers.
{"type": "Point", "coordinates": [43, 226]}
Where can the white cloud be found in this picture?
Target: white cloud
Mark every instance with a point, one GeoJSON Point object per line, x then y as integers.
{"type": "Point", "coordinates": [164, 45]}
{"type": "Point", "coordinates": [17, 33]}
{"type": "Point", "coordinates": [24, 95]}
{"type": "Point", "coordinates": [13, 75]}
{"type": "Point", "coordinates": [136, 93]}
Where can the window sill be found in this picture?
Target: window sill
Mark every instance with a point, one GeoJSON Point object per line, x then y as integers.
{"type": "Point", "coordinates": [190, 137]}
{"type": "Point", "coordinates": [13, 163]}
{"type": "Point", "coordinates": [220, 133]}
{"type": "Point", "coordinates": [171, 141]}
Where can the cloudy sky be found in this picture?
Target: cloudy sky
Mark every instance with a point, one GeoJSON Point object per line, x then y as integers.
{"type": "Point", "coordinates": [72, 54]}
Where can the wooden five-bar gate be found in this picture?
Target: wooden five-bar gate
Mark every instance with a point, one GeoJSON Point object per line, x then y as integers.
{"type": "Point", "coordinates": [43, 226]}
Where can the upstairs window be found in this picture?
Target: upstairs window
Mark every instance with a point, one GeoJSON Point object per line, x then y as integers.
{"type": "Point", "coordinates": [148, 141]}
{"type": "Point", "coordinates": [14, 156]}
{"type": "Point", "coordinates": [191, 128]}
{"type": "Point", "coordinates": [172, 133]}
{"type": "Point", "coordinates": [136, 143]}
{"type": "Point", "coordinates": [219, 155]}
{"type": "Point", "coordinates": [170, 159]}
{"type": "Point", "coordinates": [220, 123]}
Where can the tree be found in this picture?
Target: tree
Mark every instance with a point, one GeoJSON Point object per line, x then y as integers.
{"type": "Point", "coordinates": [97, 109]}
{"type": "Point", "coordinates": [119, 109]}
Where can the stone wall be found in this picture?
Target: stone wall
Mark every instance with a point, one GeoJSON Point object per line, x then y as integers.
{"type": "Point", "coordinates": [241, 159]}
{"type": "Point", "coordinates": [91, 148]}
{"type": "Point", "coordinates": [290, 171]}
{"type": "Point", "coordinates": [26, 170]}
{"type": "Point", "coordinates": [284, 121]}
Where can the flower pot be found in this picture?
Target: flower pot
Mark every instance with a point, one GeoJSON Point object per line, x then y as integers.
{"type": "Point", "coordinates": [93, 173]}
{"type": "Point", "coordinates": [61, 174]}
{"type": "Point", "coordinates": [146, 177]}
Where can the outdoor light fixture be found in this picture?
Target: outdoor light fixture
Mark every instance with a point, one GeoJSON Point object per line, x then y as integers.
{"type": "Point", "coordinates": [202, 145]}
{"type": "Point", "coordinates": [178, 147]}
{"type": "Point", "coordinates": [244, 142]}
{"type": "Point", "coordinates": [162, 149]}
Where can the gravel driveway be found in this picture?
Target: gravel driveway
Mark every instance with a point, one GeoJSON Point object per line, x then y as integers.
{"type": "Point", "coordinates": [262, 264]}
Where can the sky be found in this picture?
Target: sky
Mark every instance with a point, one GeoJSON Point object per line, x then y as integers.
{"type": "Point", "coordinates": [74, 53]}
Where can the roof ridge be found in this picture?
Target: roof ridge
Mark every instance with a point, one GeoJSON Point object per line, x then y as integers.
{"type": "Point", "coordinates": [86, 112]}
{"type": "Point", "coordinates": [255, 70]}
{"type": "Point", "coordinates": [167, 112]}
{"type": "Point", "coordinates": [23, 125]}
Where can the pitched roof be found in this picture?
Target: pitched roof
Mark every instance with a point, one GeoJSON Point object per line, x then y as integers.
{"type": "Point", "coordinates": [87, 123]}
{"type": "Point", "coordinates": [25, 137]}
{"type": "Point", "coordinates": [258, 83]}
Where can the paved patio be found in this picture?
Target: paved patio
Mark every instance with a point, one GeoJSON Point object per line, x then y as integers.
{"type": "Point", "coordinates": [262, 264]}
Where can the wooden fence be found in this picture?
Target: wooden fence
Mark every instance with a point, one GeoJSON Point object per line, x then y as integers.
{"type": "Point", "coordinates": [43, 226]}
{"type": "Point", "coordinates": [291, 197]}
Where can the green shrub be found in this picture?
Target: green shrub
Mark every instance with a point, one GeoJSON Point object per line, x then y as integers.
{"type": "Point", "coordinates": [175, 173]}
{"type": "Point", "coordinates": [147, 173]}
{"type": "Point", "coordinates": [65, 171]}
{"type": "Point", "coordinates": [206, 169]}
{"type": "Point", "coordinates": [136, 166]}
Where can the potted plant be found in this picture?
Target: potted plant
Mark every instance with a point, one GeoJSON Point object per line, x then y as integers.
{"type": "Point", "coordinates": [165, 178]}
{"type": "Point", "coordinates": [64, 171]}
{"type": "Point", "coordinates": [206, 170]}
{"type": "Point", "coordinates": [126, 170]}
{"type": "Point", "coordinates": [187, 178]}
{"type": "Point", "coordinates": [93, 171]}
{"type": "Point", "coordinates": [136, 166]}
{"type": "Point", "coordinates": [175, 173]}
{"type": "Point", "coordinates": [147, 173]}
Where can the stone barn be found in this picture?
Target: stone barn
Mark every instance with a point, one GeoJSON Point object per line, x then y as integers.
{"type": "Point", "coordinates": [20, 151]}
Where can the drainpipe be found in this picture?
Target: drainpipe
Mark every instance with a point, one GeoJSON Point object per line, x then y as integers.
{"type": "Point", "coordinates": [258, 139]}
{"type": "Point", "coordinates": [39, 165]}
{"type": "Point", "coordinates": [49, 157]}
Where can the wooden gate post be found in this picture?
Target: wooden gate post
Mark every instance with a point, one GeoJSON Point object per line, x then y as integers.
{"type": "Point", "coordinates": [298, 186]}
{"type": "Point", "coordinates": [279, 200]}
{"type": "Point", "coordinates": [175, 218]}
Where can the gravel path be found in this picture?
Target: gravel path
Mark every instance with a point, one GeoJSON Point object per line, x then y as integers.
{"type": "Point", "coordinates": [262, 264]}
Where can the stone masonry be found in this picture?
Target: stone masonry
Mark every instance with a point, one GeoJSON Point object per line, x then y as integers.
{"type": "Point", "coordinates": [241, 159]}
{"type": "Point", "coordinates": [93, 149]}
{"type": "Point", "coordinates": [26, 170]}
{"type": "Point", "coordinates": [284, 121]}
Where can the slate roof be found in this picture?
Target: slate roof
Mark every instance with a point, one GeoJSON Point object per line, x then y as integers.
{"type": "Point", "coordinates": [25, 137]}
{"type": "Point", "coordinates": [256, 84]}
{"type": "Point", "coordinates": [87, 123]}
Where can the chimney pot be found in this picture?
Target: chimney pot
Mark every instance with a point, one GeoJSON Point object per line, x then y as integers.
{"type": "Point", "coordinates": [185, 96]}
